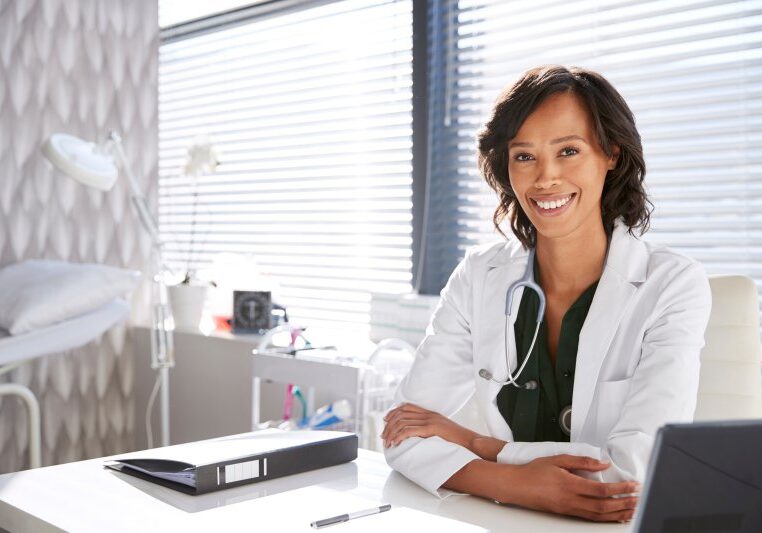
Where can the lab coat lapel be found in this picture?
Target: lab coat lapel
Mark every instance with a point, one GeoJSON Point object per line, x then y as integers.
{"type": "Point", "coordinates": [606, 310]}
{"type": "Point", "coordinates": [625, 268]}
{"type": "Point", "coordinates": [499, 277]}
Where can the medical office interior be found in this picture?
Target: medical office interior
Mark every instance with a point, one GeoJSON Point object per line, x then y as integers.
{"type": "Point", "coordinates": [230, 215]}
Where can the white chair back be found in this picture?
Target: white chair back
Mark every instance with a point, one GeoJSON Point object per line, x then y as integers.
{"type": "Point", "coordinates": [730, 386]}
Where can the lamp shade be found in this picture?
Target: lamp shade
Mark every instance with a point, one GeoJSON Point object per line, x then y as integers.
{"type": "Point", "coordinates": [81, 160]}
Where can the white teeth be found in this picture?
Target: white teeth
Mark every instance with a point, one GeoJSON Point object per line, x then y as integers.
{"type": "Point", "coordinates": [553, 204]}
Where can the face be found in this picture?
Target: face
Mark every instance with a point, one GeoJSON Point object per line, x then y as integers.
{"type": "Point", "coordinates": [557, 168]}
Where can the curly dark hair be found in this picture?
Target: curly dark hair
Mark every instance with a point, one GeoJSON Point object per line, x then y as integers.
{"type": "Point", "coordinates": [623, 192]}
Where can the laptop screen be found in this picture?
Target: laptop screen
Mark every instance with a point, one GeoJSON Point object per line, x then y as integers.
{"type": "Point", "coordinates": [704, 477]}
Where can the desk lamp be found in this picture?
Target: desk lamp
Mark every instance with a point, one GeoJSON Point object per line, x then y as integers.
{"type": "Point", "coordinates": [97, 166]}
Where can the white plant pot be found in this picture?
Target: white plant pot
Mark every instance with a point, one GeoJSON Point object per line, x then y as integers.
{"type": "Point", "coordinates": [187, 302]}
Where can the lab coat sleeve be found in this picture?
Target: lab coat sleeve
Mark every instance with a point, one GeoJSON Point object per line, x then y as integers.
{"type": "Point", "coordinates": [441, 379]}
{"type": "Point", "coordinates": [662, 389]}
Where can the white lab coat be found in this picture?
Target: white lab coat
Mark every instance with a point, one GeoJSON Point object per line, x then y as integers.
{"type": "Point", "coordinates": [637, 361]}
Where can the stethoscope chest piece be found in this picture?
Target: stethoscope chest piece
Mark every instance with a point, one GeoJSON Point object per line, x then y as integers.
{"type": "Point", "coordinates": [564, 419]}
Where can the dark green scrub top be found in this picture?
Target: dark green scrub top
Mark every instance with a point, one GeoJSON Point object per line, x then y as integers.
{"type": "Point", "coordinates": [533, 414]}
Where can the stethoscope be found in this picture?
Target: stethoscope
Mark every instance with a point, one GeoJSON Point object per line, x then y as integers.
{"type": "Point", "coordinates": [527, 280]}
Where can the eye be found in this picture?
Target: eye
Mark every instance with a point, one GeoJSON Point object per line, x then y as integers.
{"type": "Point", "coordinates": [569, 150]}
{"type": "Point", "coordinates": [522, 157]}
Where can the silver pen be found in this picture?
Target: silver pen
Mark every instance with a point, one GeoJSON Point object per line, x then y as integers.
{"type": "Point", "coordinates": [349, 516]}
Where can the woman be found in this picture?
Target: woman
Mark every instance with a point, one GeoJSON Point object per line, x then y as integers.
{"type": "Point", "coordinates": [616, 352]}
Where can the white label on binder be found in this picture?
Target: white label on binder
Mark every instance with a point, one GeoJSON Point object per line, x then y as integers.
{"type": "Point", "coordinates": [241, 471]}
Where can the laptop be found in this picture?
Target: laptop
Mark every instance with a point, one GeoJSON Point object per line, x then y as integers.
{"type": "Point", "coordinates": [704, 477]}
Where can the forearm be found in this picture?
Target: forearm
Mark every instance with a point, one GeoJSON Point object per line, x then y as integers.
{"type": "Point", "coordinates": [627, 456]}
{"type": "Point", "coordinates": [487, 448]}
{"type": "Point", "coordinates": [482, 478]}
{"type": "Point", "coordinates": [548, 484]}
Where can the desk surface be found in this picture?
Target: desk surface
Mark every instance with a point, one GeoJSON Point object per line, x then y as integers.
{"type": "Point", "coordinates": [83, 496]}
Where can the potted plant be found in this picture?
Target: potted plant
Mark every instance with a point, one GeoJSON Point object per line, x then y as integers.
{"type": "Point", "coordinates": [187, 297]}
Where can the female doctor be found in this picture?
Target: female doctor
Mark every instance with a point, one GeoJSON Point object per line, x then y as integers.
{"type": "Point", "coordinates": [574, 377]}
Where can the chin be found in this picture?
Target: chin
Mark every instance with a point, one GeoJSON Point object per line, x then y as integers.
{"type": "Point", "coordinates": [557, 232]}
{"type": "Point", "coordinates": [561, 229]}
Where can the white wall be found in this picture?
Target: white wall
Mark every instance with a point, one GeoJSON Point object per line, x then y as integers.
{"type": "Point", "coordinates": [81, 67]}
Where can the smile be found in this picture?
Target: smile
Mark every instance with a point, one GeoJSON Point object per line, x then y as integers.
{"type": "Point", "coordinates": [554, 206]}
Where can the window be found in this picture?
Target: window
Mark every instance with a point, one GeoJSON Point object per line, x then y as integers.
{"type": "Point", "coordinates": [310, 105]}
{"type": "Point", "coordinates": [691, 72]}
{"type": "Point", "coordinates": [310, 110]}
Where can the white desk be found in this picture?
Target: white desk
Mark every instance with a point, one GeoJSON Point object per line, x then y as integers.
{"type": "Point", "coordinates": [83, 496]}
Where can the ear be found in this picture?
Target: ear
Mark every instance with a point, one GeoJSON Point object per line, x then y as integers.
{"type": "Point", "coordinates": [614, 157]}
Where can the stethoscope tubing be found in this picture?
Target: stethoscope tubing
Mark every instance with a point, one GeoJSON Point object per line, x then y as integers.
{"type": "Point", "coordinates": [527, 281]}
{"type": "Point", "coordinates": [513, 378]}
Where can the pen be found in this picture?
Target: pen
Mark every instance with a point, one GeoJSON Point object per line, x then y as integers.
{"type": "Point", "coordinates": [349, 516]}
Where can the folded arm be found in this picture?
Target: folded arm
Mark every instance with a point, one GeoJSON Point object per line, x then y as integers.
{"type": "Point", "coordinates": [440, 380]}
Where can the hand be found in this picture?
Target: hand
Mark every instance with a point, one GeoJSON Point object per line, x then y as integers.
{"type": "Point", "coordinates": [409, 420]}
{"type": "Point", "coordinates": [548, 484]}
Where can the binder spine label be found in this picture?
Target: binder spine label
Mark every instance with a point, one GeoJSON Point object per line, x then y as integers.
{"type": "Point", "coordinates": [242, 471]}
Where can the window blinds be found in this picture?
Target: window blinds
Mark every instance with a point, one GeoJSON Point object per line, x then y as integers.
{"type": "Point", "coordinates": [690, 70]}
{"type": "Point", "coordinates": [311, 113]}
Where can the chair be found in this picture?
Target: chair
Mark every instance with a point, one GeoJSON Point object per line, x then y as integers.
{"type": "Point", "coordinates": [730, 386]}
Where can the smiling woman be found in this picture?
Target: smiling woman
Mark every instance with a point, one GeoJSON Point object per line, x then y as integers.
{"type": "Point", "coordinates": [598, 347]}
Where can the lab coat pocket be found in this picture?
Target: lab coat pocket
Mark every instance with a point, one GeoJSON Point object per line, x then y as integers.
{"type": "Point", "coordinates": [611, 398]}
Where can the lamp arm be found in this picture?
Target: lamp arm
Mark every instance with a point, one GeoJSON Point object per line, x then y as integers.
{"type": "Point", "coordinates": [139, 201]}
{"type": "Point", "coordinates": [147, 219]}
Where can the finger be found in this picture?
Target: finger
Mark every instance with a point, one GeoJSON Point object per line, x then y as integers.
{"type": "Point", "coordinates": [412, 408]}
{"type": "Point", "coordinates": [392, 427]}
{"type": "Point", "coordinates": [407, 415]}
{"type": "Point", "coordinates": [395, 434]}
{"type": "Point", "coordinates": [401, 409]}
{"type": "Point", "coordinates": [407, 432]}
{"type": "Point", "coordinates": [390, 420]}
{"type": "Point", "coordinates": [617, 516]}
{"type": "Point", "coordinates": [400, 423]}
{"type": "Point", "coordinates": [408, 407]}
{"type": "Point", "coordinates": [596, 489]}
{"type": "Point", "coordinates": [576, 462]}
{"type": "Point", "coordinates": [605, 505]}
{"type": "Point", "coordinates": [396, 418]}
{"type": "Point", "coordinates": [391, 411]}
{"type": "Point", "coordinates": [401, 415]}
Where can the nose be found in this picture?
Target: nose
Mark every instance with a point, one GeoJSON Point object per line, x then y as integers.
{"type": "Point", "coordinates": [548, 174]}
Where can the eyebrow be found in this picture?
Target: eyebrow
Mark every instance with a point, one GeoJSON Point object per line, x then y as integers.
{"type": "Point", "coordinates": [554, 141]}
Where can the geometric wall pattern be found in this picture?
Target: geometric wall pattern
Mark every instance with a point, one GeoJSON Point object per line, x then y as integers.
{"type": "Point", "coordinates": [82, 67]}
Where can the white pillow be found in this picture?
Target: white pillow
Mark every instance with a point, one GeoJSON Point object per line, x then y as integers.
{"type": "Point", "coordinates": [38, 293]}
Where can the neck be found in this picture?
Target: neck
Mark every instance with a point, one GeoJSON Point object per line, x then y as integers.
{"type": "Point", "coordinates": [570, 264]}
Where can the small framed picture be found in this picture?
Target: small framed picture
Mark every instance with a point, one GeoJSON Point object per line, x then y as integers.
{"type": "Point", "coordinates": [252, 311]}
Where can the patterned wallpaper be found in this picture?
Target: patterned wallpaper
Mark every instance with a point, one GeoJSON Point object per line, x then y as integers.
{"type": "Point", "coordinates": [81, 67]}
